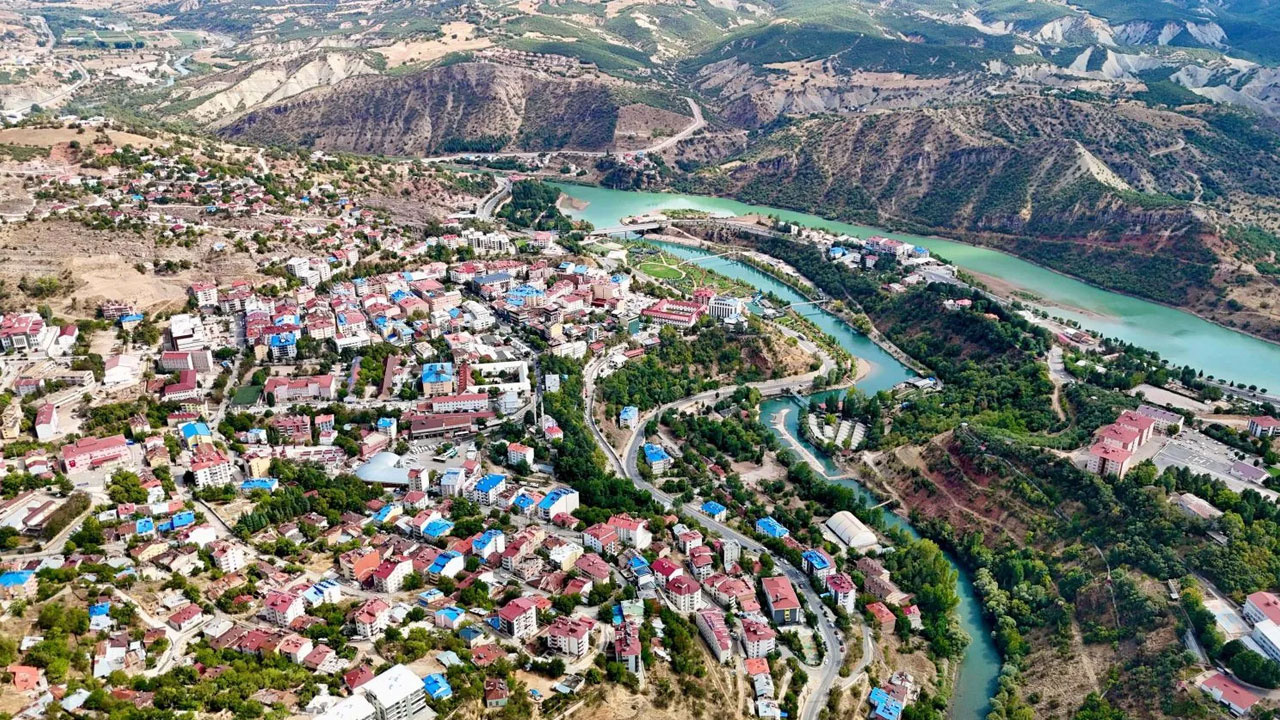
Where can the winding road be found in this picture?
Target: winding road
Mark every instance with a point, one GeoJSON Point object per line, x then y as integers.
{"type": "Point", "coordinates": [627, 466]}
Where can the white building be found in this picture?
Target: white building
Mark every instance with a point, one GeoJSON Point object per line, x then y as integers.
{"type": "Point", "coordinates": [396, 694]}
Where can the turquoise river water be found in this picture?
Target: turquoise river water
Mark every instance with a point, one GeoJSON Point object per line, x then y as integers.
{"type": "Point", "coordinates": [1178, 336]}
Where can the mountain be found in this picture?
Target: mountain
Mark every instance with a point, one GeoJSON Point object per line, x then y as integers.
{"type": "Point", "coordinates": [455, 107]}
{"type": "Point", "coordinates": [1116, 193]}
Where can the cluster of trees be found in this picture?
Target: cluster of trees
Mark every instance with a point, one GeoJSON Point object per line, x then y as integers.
{"type": "Point", "coordinates": [344, 492]}
{"type": "Point", "coordinates": [533, 205]}
{"type": "Point", "coordinates": [678, 368]}
{"type": "Point", "coordinates": [579, 461]}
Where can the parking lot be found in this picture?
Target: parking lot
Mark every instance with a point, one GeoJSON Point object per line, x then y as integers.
{"type": "Point", "coordinates": [1202, 454]}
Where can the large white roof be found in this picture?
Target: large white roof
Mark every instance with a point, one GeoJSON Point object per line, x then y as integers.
{"type": "Point", "coordinates": [851, 531]}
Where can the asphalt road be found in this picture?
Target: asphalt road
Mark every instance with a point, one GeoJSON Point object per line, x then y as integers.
{"type": "Point", "coordinates": [820, 684]}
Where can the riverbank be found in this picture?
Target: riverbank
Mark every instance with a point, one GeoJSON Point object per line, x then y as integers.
{"type": "Point", "coordinates": [1178, 335]}
{"type": "Point", "coordinates": [787, 271]}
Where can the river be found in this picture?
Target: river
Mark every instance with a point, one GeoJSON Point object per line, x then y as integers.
{"type": "Point", "coordinates": [981, 663]}
{"type": "Point", "coordinates": [1179, 336]}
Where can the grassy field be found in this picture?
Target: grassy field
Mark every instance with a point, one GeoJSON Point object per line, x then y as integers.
{"type": "Point", "coordinates": [661, 271]}
{"type": "Point", "coordinates": [247, 395]}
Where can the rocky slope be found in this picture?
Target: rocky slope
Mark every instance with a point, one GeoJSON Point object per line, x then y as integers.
{"type": "Point", "coordinates": [448, 108]}
{"type": "Point", "coordinates": [1115, 193]}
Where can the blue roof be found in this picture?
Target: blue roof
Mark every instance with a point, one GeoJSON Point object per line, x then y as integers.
{"type": "Point", "coordinates": [470, 632]}
{"type": "Point", "coordinates": [554, 496]}
{"type": "Point", "coordinates": [132, 317]}
{"type": "Point", "coordinates": [283, 340]}
{"type": "Point", "coordinates": [630, 412]}
{"type": "Point", "coordinates": [818, 560]}
{"type": "Point", "coordinates": [184, 518]}
{"type": "Point", "coordinates": [711, 507]}
{"type": "Point", "coordinates": [522, 501]}
{"type": "Point", "coordinates": [771, 527]}
{"type": "Point", "coordinates": [885, 706]}
{"type": "Point", "coordinates": [437, 528]}
{"type": "Point", "coordinates": [437, 372]}
{"type": "Point", "coordinates": [489, 537]}
{"type": "Point", "coordinates": [193, 429]}
{"type": "Point", "coordinates": [442, 560]}
{"type": "Point", "coordinates": [638, 565]}
{"type": "Point", "coordinates": [385, 422]}
{"type": "Point", "coordinates": [655, 453]}
{"type": "Point", "coordinates": [383, 513]}
{"type": "Point", "coordinates": [437, 686]}
{"type": "Point", "coordinates": [453, 613]}
{"type": "Point", "coordinates": [13, 578]}
{"type": "Point", "coordinates": [836, 251]}
{"type": "Point", "coordinates": [490, 482]}
{"type": "Point", "coordinates": [101, 608]}
{"type": "Point", "coordinates": [145, 525]}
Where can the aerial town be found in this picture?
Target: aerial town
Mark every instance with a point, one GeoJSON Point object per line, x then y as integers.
{"type": "Point", "coordinates": [394, 472]}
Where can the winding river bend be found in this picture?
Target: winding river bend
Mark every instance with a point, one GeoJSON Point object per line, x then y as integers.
{"type": "Point", "coordinates": [1178, 336]}
{"type": "Point", "coordinates": [980, 666]}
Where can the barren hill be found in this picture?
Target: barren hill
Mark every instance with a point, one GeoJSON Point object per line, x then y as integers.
{"type": "Point", "coordinates": [456, 107]}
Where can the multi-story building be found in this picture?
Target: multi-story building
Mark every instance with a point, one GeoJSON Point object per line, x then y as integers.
{"type": "Point", "coordinates": [684, 593]}
{"type": "Point", "coordinates": [758, 639]}
{"type": "Point", "coordinates": [602, 538]}
{"type": "Point", "coordinates": [390, 575]}
{"type": "Point", "coordinates": [227, 556]}
{"type": "Point", "coordinates": [783, 604]}
{"type": "Point", "coordinates": [715, 633]}
{"type": "Point", "coordinates": [210, 468]}
{"type": "Point", "coordinates": [570, 636]}
{"type": "Point", "coordinates": [632, 531]}
{"type": "Point", "coordinates": [371, 618]}
{"type": "Point", "coordinates": [282, 608]}
{"type": "Point", "coordinates": [92, 453]}
{"type": "Point", "coordinates": [397, 694]}
{"type": "Point", "coordinates": [519, 618]}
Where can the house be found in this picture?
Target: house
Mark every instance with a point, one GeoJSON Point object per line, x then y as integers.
{"type": "Point", "coordinates": [628, 416]}
{"type": "Point", "coordinates": [495, 692]}
{"type": "Point", "coordinates": [25, 677]}
{"type": "Point", "coordinates": [783, 604]}
{"type": "Point", "coordinates": [882, 616]}
{"type": "Point", "coordinates": [1228, 692]}
{"type": "Point", "coordinates": [187, 618]}
{"type": "Point", "coordinates": [519, 618]}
